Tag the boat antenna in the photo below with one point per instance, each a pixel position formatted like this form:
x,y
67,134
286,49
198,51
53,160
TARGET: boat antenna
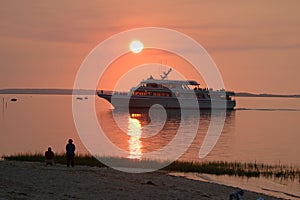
x,y
163,77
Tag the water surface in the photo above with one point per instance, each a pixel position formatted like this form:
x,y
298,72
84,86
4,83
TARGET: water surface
x,y
261,129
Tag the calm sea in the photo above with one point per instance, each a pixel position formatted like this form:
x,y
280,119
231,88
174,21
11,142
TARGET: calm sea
x,y
260,129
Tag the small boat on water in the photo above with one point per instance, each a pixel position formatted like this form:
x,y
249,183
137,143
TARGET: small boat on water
x,y
171,94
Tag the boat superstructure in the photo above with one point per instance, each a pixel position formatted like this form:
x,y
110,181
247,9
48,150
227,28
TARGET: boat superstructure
x,y
171,94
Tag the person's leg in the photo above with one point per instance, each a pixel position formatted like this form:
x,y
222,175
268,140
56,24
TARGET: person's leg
x,y
72,161
68,160
49,162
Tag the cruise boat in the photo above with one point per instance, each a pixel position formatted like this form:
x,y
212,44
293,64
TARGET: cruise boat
x,y
171,94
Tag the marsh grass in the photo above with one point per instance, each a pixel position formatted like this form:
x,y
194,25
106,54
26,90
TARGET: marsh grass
x,y
215,167
237,169
59,158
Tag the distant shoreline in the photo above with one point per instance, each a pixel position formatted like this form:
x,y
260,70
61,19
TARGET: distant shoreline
x,y
246,94
47,91
92,92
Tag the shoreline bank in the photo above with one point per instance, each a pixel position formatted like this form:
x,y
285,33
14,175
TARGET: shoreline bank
x,y
34,180
285,189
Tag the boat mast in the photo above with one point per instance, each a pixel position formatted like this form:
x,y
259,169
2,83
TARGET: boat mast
x,y
163,77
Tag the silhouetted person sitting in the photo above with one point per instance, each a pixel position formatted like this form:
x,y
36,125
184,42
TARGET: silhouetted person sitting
x,y
49,155
70,148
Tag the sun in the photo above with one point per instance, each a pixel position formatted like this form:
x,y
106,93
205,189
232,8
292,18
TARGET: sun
x,y
136,46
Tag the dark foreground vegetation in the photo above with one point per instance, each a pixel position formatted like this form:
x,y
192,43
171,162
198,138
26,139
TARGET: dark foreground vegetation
x,y
216,167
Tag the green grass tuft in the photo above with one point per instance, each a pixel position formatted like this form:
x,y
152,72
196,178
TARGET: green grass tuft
x,y
216,167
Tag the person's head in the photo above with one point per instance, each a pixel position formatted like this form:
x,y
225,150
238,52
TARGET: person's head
x,y
70,141
49,148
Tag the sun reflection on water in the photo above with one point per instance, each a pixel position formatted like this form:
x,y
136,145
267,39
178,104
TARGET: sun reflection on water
x,y
135,133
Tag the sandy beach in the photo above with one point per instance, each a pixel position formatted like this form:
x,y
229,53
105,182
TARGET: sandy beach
x,y
28,180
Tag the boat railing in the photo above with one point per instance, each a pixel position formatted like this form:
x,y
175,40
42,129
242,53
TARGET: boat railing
x,y
229,95
110,92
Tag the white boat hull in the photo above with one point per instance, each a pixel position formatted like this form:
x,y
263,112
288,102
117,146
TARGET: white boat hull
x,y
121,101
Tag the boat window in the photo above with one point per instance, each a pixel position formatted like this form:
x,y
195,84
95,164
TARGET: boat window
x,y
153,85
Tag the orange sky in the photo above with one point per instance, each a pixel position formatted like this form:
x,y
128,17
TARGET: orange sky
x,y
255,44
129,69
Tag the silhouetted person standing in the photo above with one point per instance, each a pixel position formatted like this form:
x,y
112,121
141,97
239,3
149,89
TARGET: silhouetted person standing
x,y
49,156
70,148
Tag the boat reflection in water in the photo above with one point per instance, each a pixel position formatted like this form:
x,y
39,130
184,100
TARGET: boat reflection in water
x,y
149,130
